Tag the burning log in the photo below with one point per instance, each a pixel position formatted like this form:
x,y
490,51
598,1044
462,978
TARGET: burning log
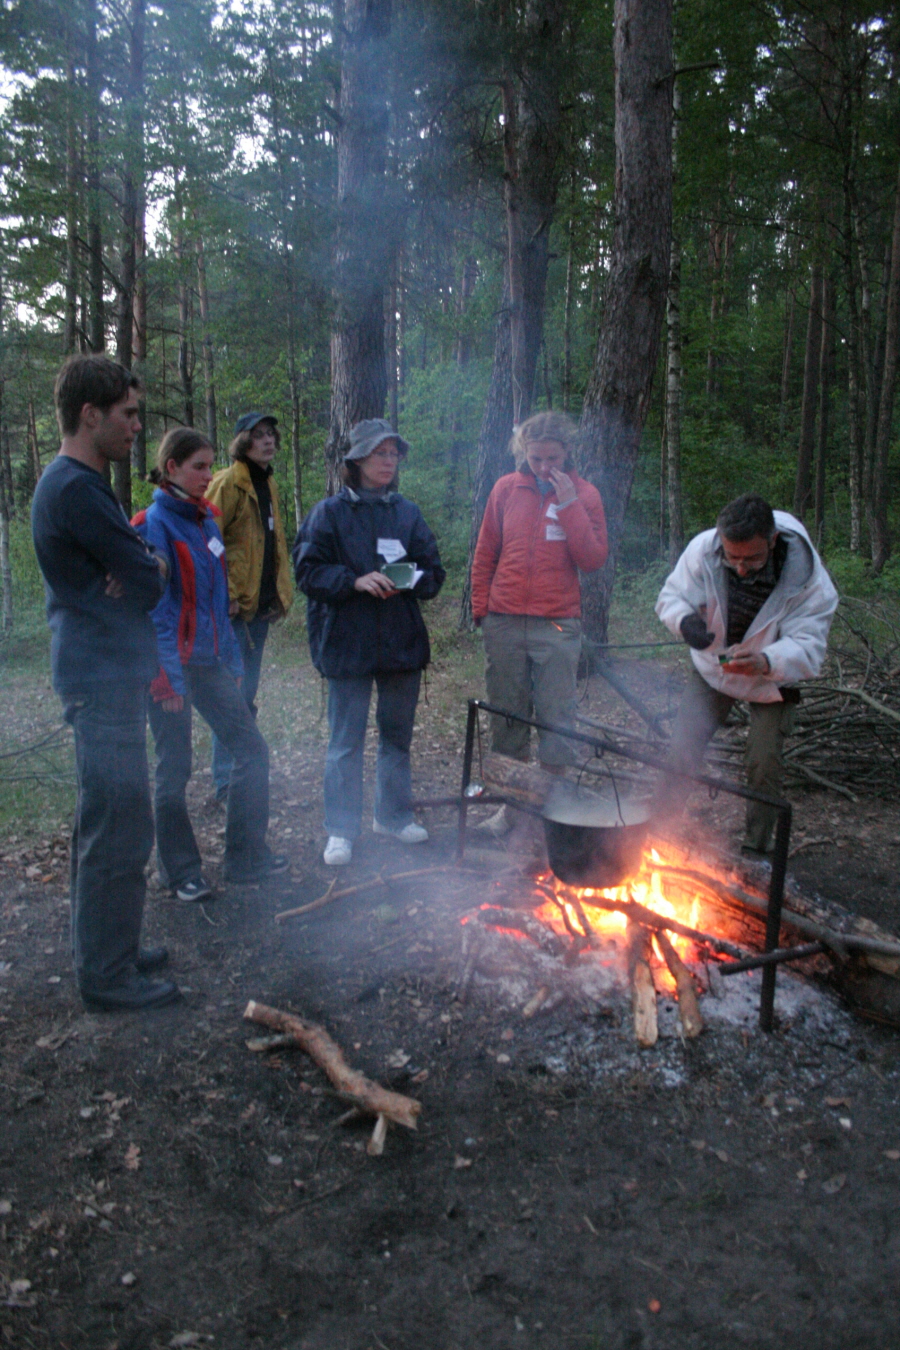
x,y
367,1096
643,994
498,917
688,1007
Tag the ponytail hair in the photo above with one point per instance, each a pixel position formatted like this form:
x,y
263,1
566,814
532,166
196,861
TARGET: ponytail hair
x,y
178,444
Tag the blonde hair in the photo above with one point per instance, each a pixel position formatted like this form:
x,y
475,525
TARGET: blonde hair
x,y
545,426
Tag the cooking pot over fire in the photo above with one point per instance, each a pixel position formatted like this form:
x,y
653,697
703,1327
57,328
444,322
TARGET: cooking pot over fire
x,y
594,839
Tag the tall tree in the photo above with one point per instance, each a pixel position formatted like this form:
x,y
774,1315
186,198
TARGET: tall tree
x,y
366,227
618,394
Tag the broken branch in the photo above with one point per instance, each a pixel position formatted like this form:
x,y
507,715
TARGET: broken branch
x,y
350,1083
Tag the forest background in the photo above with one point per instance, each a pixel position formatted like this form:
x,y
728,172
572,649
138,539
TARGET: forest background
x,y
178,189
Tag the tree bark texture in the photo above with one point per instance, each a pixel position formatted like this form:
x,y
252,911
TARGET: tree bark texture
x,y
812,356
854,380
97,333
209,363
70,328
826,378
493,458
532,160
366,229
672,420
881,537
139,335
618,393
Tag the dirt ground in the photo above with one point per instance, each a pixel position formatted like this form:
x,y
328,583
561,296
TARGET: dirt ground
x,y
162,1185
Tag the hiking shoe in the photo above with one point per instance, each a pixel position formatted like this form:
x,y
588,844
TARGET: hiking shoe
x,y
338,851
149,959
410,834
193,890
499,824
273,865
134,993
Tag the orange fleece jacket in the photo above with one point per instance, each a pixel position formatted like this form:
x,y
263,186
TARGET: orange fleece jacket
x,y
530,548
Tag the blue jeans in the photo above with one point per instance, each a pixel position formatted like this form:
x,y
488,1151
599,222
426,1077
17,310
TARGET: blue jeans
x,y
251,640
215,694
113,832
348,713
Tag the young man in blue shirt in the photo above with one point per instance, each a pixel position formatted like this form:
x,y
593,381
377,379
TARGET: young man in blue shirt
x,y
102,581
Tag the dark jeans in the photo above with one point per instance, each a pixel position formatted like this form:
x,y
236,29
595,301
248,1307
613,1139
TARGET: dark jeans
x,y
113,832
704,709
251,640
217,698
348,713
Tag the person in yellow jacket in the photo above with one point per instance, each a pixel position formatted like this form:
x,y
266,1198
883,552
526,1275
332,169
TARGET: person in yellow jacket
x,y
260,584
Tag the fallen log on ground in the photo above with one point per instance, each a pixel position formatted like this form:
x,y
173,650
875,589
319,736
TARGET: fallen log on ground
x,y
350,1083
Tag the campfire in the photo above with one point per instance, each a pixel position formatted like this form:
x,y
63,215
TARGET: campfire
x,y
661,933
680,919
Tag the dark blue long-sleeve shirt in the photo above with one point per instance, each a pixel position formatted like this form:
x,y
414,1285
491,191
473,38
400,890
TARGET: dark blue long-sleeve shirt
x,y
82,536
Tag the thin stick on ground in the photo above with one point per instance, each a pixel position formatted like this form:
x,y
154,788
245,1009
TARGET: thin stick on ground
x,y
332,894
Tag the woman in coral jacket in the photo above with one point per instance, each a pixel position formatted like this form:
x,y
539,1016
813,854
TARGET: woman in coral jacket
x,y
542,524
200,665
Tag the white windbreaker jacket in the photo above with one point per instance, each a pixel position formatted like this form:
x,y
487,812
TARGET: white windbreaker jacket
x,y
791,628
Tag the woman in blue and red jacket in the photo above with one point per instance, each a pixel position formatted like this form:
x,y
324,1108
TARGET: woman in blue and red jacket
x,y
200,665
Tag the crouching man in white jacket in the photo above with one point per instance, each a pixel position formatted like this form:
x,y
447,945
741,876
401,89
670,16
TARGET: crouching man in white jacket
x,y
753,601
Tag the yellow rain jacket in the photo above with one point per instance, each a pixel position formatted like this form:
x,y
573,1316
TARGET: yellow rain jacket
x,y
232,492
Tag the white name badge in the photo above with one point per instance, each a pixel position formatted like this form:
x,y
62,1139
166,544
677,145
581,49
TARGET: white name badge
x,y
391,550
216,547
555,532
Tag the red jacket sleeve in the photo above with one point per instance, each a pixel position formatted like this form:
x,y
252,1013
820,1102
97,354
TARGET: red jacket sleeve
x,y
487,552
584,522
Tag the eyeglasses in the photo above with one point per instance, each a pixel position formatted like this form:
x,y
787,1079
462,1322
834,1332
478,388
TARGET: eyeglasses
x,y
393,455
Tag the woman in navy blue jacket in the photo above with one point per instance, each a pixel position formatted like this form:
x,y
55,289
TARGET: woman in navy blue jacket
x,y
200,665
362,627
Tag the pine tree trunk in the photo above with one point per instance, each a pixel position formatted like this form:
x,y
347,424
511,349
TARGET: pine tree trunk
x,y
185,331
673,406
139,336
786,361
532,133
826,378
97,333
6,590
70,331
366,229
881,537
854,390
34,447
567,323
618,394
493,458
803,482
672,414
209,365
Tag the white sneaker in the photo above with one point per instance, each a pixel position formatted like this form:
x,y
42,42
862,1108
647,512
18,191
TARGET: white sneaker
x,y
410,834
338,851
